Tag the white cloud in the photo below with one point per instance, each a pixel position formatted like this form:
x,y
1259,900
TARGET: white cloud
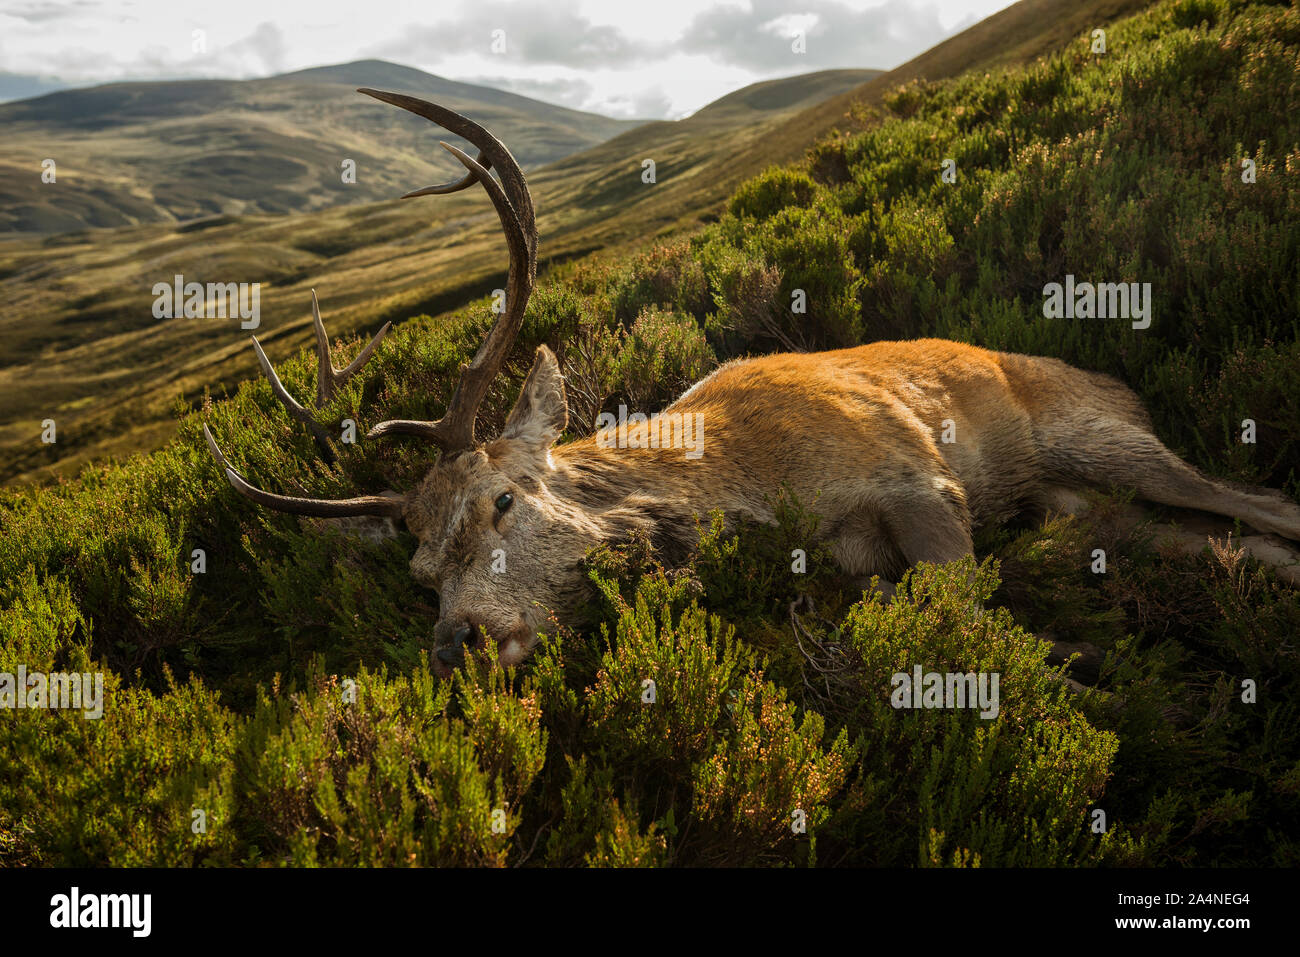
x,y
667,56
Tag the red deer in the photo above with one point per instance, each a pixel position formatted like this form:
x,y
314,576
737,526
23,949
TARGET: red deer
x,y
504,525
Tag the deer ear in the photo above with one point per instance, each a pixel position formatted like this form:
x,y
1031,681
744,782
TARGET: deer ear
x,y
542,411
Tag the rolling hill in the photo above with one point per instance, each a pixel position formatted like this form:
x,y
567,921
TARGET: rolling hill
x,y
80,321
132,153
78,317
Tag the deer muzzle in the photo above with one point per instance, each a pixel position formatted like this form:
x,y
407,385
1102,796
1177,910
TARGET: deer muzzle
x,y
451,640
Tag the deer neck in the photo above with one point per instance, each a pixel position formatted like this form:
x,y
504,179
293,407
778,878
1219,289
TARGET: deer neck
x,y
628,491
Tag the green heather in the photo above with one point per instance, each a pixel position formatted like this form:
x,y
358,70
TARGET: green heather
x,y
227,691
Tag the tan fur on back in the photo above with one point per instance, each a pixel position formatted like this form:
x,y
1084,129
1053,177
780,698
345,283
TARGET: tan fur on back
x,y
858,435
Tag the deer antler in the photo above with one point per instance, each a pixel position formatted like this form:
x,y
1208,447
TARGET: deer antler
x,y
323,507
328,382
514,206
455,430
328,379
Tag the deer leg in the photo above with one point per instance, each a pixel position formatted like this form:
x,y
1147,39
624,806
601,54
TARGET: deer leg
x,y
1103,451
931,524
863,549
922,526
934,525
1060,500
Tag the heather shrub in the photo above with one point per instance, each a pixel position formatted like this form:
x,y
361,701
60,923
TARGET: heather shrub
x,y
667,277
765,195
380,772
773,565
1009,790
683,716
791,284
658,358
120,789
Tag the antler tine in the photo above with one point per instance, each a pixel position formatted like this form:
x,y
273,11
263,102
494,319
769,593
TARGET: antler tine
x,y
329,381
291,404
324,508
329,378
489,147
466,181
514,206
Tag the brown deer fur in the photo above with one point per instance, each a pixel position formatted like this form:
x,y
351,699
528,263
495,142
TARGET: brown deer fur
x,y
855,434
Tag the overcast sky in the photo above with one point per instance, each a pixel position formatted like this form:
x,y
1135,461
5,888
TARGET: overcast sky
x,y
642,58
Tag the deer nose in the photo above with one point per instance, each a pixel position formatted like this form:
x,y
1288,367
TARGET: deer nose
x,y
453,652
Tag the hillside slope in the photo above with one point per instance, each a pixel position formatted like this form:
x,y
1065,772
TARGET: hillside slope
x,y
79,317
81,305
1019,34
176,150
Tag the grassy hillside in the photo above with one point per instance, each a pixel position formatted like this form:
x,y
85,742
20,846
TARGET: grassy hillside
x,y
183,149
79,319
1017,35
227,687
78,301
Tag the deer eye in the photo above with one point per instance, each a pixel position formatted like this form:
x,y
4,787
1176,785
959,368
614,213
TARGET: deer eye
x,y
504,501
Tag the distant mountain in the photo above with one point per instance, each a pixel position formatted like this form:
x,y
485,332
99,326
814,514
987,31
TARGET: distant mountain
x,y
78,305
77,315
18,86
129,153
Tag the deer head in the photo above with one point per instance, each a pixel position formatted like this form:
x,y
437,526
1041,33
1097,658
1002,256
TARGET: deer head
x,y
490,530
